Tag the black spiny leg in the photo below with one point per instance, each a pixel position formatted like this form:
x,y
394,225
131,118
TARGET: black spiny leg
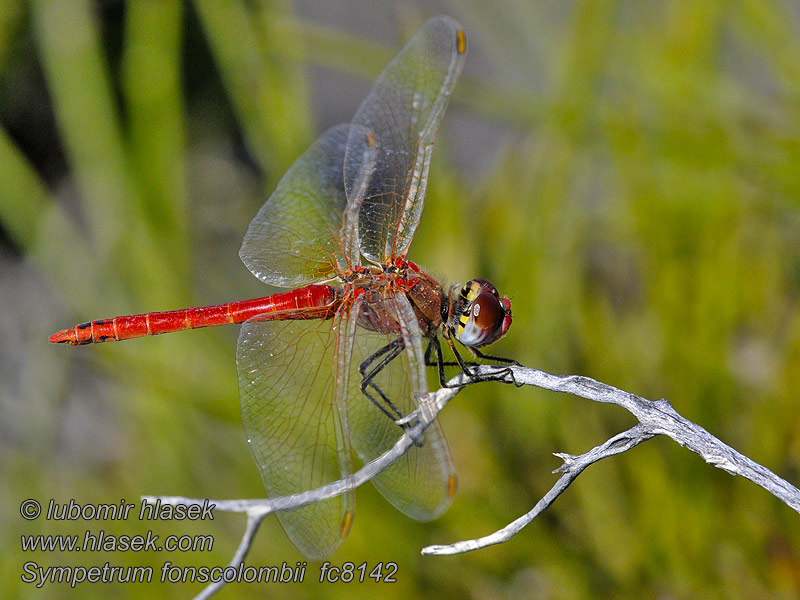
x,y
500,359
435,345
369,371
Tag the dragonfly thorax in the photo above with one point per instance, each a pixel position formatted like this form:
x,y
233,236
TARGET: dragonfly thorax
x,y
478,315
376,288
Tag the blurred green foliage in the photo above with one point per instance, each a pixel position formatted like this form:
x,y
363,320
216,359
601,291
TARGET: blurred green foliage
x,y
642,211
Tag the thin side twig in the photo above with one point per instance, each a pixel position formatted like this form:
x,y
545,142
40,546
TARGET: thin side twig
x,y
572,467
655,418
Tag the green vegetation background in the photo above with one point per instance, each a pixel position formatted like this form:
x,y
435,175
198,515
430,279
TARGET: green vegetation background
x,y
642,209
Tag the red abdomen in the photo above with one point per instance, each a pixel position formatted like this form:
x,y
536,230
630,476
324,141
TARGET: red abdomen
x,y
310,302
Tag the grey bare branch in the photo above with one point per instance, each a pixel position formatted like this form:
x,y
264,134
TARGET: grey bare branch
x,y
654,418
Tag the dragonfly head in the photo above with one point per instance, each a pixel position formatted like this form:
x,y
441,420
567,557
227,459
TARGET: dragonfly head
x,y
478,315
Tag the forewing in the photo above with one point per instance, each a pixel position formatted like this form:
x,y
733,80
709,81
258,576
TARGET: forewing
x,y
294,238
403,111
288,388
361,153
421,483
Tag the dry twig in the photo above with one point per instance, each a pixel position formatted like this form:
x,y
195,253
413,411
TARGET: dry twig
x,y
654,418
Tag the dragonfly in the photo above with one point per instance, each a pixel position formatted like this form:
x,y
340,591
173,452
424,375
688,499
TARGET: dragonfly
x,y
327,369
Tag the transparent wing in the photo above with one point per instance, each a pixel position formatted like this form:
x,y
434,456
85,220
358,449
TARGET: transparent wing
x,y
289,395
293,239
422,483
403,111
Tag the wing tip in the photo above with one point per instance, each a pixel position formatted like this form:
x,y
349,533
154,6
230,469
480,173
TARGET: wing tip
x,y
347,524
461,41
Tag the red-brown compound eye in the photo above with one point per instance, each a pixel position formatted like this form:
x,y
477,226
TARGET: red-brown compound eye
x,y
485,317
486,311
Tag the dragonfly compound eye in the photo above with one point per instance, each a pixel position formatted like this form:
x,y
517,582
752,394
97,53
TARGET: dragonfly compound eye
x,y
486,317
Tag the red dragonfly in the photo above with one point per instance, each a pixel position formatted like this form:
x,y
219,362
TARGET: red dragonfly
x,y
337,229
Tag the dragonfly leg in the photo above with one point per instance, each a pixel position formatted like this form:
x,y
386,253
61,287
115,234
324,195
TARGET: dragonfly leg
x,y
500,375
435,345
369,371
500,359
